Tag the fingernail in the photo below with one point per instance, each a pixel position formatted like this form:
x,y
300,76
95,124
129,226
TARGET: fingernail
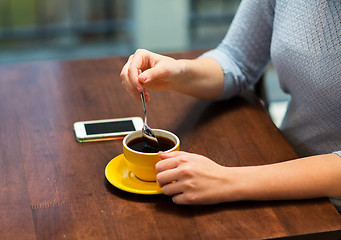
x,y
139,89
144,78
162,153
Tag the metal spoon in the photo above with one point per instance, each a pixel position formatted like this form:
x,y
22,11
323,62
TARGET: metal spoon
x,y
146,130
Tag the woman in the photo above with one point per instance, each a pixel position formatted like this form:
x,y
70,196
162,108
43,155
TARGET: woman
x,y
303,41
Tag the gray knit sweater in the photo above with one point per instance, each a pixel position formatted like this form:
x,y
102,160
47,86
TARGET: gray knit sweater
x,y
303,40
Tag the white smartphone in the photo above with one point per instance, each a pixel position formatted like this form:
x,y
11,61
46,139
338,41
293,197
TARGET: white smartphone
x,y
106,129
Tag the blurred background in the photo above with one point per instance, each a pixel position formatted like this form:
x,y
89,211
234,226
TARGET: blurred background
x,y
36,30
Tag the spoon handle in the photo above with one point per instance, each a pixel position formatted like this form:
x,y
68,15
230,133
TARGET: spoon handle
x,y
144,106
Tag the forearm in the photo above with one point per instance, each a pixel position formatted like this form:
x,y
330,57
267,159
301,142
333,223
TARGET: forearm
x,y
201,78
310,177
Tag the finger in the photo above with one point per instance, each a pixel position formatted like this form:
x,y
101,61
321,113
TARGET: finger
x,y
132,75
131,90
124,72
164,155
125,67
147,96
172,188
134,69
142,78
181,199
126,81
152,73
166,164
168,160
167,177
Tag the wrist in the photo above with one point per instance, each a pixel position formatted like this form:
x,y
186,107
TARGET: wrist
x,y
181,75
240,184
230,184
201,78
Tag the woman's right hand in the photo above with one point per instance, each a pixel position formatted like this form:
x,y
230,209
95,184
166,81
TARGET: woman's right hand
x,y
148,70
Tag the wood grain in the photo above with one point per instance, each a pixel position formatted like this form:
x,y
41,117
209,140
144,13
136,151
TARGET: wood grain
x,y
52,187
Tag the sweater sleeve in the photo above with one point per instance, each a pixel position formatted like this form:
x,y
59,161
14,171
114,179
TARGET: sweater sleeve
x,y
338,153
245,51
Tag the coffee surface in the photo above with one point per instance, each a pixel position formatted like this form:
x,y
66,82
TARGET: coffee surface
x,y
142,144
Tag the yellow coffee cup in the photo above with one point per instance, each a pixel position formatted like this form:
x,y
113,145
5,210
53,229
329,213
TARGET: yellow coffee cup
x,y
142,164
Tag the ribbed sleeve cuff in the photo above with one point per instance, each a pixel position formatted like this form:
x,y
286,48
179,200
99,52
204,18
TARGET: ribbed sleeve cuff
x,y
232,74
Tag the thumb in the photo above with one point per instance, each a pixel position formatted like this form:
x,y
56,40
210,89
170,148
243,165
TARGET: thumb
x,y
151,74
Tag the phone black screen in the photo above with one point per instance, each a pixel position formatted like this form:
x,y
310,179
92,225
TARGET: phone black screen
x,y
109,127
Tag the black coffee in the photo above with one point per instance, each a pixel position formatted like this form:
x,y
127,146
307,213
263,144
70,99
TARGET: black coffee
x,y
142,144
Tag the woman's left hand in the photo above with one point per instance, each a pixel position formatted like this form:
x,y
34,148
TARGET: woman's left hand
x,y
192,178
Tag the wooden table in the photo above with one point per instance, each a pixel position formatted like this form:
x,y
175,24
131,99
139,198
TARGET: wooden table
x,y
52,187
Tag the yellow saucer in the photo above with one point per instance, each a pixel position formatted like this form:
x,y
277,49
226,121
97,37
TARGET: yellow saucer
x,y
121,177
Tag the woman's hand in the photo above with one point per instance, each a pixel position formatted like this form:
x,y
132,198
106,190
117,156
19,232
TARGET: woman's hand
x,y
195,179
192,178
145,69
